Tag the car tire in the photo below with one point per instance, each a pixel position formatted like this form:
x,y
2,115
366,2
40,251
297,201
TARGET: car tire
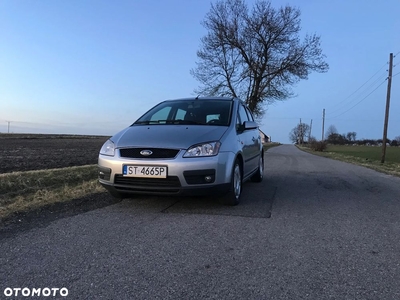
x,y
232,197
258,176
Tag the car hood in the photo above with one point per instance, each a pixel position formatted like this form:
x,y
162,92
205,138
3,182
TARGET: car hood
x,y
167,136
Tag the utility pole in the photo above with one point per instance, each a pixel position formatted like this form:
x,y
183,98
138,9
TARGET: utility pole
x,y
323,124
8,126
385,126
310,131
301,133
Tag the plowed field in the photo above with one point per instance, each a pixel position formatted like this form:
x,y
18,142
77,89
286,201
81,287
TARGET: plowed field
x,y
23,152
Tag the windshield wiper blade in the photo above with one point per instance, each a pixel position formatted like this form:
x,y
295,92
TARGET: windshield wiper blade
x,y
181,122
187,122
147,122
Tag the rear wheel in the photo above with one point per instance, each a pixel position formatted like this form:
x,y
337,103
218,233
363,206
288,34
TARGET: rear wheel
x,y
233,196
258,176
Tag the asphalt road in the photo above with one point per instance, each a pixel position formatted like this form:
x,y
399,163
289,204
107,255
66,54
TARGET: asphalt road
x,y
315,228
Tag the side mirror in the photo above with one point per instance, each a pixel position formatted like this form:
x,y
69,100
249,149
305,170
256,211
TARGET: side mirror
x,y
250,125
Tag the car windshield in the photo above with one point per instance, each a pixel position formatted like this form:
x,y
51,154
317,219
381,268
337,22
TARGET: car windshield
x,y
193,112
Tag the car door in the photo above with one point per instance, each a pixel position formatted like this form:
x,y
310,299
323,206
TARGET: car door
x,y
256,141
246,142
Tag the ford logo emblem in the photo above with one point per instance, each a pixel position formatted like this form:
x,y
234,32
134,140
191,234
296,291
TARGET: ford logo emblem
x,y
146,152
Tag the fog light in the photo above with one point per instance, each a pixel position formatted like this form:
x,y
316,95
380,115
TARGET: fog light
x,y
208,178
104,173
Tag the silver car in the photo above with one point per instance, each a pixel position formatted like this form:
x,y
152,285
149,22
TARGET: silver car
x,y
192,146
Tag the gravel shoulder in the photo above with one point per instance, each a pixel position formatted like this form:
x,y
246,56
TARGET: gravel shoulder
x,y
45,215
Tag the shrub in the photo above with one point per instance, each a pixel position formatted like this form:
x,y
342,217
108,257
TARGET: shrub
x,y
318,146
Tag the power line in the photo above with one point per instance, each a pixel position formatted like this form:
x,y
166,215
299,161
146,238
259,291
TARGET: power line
x,y
282,118
361,85
360,100
354,99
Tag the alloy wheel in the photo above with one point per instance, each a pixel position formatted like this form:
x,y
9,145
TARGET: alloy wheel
x,y
237,181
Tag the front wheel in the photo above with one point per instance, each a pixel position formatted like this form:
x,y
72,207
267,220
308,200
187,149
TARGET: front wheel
x,y
233,196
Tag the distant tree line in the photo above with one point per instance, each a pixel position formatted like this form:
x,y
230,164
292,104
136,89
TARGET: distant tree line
x,y
340,139
350,138
301,135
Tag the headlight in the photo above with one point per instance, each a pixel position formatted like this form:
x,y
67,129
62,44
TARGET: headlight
x,y
108,148
206,149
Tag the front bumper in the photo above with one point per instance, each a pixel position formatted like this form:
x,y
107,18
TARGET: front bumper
x,y
186,176
190,191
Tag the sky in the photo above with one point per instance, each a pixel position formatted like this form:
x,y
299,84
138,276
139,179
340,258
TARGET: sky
x,y
94,67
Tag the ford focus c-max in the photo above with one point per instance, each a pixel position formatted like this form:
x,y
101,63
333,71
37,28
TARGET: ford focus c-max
x,y
192,146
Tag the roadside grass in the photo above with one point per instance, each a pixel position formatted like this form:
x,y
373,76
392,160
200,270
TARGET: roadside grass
x,y
366,156
22,191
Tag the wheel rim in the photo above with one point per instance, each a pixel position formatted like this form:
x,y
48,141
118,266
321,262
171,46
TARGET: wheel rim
x,y
237,181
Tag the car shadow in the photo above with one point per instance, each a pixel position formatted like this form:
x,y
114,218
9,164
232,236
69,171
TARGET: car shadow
x,y
256,202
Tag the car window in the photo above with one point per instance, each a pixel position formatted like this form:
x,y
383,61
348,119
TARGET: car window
x,y
190,112
180,114
249,114
242,117
243,114
238,124
162,114
210,118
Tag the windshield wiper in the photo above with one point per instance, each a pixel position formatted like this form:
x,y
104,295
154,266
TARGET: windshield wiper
x,y
186,122
180,122
147,122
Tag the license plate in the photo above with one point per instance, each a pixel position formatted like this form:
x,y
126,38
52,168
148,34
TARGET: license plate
x,y
144,171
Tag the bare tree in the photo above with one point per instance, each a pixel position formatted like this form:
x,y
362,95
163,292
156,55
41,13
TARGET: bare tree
x,y
331,130
300,133
255,55
351,136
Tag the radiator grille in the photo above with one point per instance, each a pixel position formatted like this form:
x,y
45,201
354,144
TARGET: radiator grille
x,y
157,153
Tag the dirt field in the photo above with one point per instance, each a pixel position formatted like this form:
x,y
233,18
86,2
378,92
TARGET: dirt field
x,y
23,152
